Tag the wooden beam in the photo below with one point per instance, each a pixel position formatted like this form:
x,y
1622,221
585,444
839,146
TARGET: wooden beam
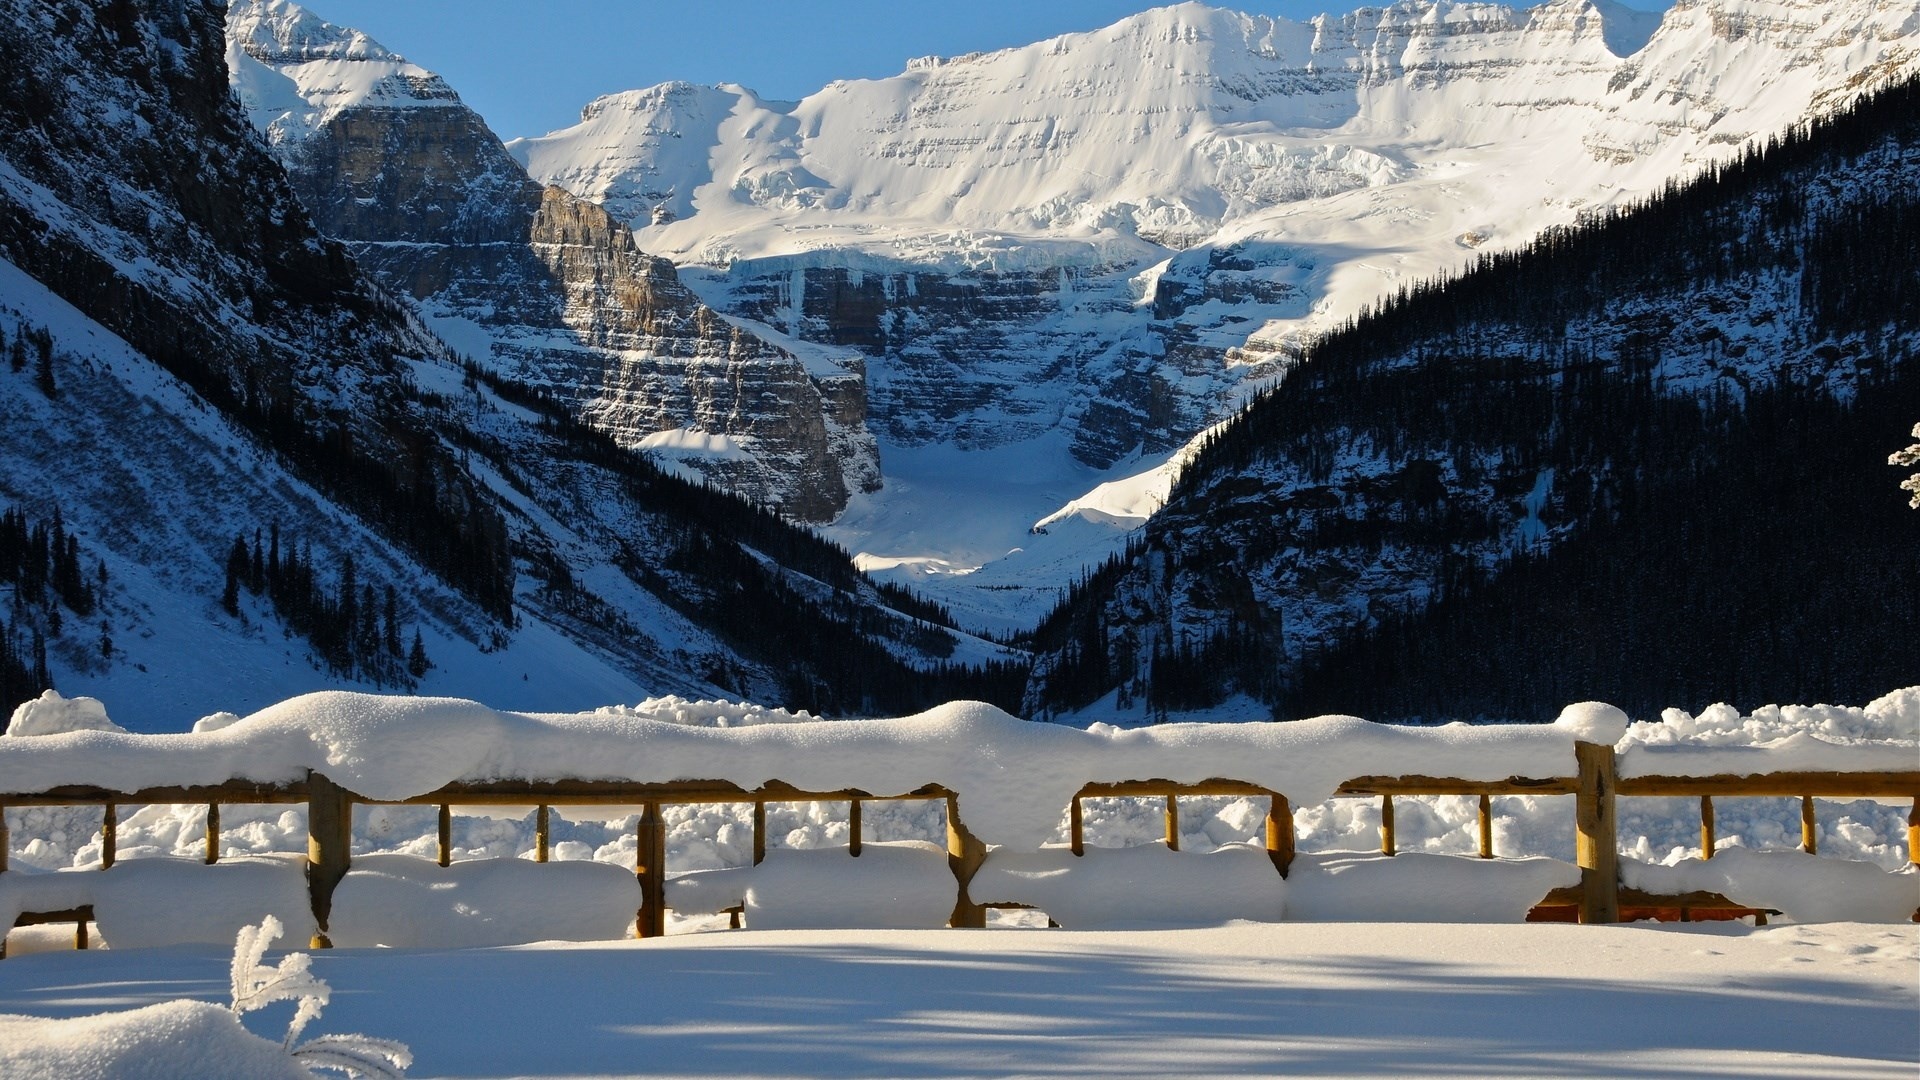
x,y
1076,827
213,833
329,848
634,793
1448,785
1597,844
444,839
233,791
1173,822
650,856
965,854
1892,784
109,836
1150,788
1638,898
853,827
1809,827
1280,838
759,831
542,832
1388,842
1706,827
1486,825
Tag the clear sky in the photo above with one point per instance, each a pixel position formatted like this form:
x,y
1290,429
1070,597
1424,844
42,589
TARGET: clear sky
x,y
528,66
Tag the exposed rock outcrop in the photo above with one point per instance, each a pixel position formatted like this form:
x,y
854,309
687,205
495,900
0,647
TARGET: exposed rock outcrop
x,y
546,286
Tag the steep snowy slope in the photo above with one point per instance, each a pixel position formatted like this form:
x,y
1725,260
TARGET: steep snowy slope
x,y
156,485
1098,244
196,375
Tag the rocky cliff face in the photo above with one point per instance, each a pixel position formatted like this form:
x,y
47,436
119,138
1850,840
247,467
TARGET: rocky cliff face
x,y
542,285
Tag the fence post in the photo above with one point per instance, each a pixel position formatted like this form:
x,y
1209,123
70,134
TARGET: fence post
x,y
1486,826
759,831
1388,842
109,836
1597,842
6,842
444,841
1173,823
329,848
1913,835
1280,833
213,833
1076,828
651,854
853,828
1809,827
1706,827
542,832
965,853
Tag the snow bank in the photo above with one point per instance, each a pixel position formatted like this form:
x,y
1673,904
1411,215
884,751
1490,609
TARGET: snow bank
x,y
1149,884
1806,888
1777,738
51,714
402,901
1014,777
708,892
897,886
1417,887
1593,722
142,903
175,1040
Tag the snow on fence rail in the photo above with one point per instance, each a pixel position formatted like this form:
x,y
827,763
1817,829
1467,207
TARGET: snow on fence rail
x,y
1005,782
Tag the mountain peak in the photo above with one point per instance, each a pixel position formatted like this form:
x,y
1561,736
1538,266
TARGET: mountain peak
x,y
286,32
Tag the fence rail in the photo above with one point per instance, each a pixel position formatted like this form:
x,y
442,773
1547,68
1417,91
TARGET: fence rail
x,y
1595,787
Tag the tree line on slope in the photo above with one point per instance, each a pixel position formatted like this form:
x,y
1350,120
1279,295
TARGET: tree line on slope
x,y
778,593
43,571
1776,564
354,628
1481,375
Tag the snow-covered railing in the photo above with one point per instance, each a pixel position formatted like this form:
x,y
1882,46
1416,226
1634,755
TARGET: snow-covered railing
x,y
1004,782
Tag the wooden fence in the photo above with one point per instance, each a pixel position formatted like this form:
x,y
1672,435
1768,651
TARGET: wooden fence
x,y
1599,898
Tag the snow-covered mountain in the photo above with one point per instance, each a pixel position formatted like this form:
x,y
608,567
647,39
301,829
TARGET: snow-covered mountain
x,y
264,473
539,284
1062,261
1643,459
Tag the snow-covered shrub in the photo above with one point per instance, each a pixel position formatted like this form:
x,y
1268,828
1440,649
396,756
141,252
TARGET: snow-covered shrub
x,y
255,986
190,1040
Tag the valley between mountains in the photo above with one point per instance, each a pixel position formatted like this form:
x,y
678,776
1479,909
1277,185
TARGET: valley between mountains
x,y
1195,363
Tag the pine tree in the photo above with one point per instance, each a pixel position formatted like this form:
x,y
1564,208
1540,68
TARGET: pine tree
x,y
417,662
391,636
237,561
43,364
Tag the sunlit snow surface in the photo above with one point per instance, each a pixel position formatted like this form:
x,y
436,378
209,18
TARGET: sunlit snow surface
x,y
1364,1000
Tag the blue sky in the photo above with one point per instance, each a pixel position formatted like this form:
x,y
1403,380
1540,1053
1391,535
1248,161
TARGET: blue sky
x,y
528,65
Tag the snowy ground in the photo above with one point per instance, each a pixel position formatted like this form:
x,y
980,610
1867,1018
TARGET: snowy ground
x,y
1244,1000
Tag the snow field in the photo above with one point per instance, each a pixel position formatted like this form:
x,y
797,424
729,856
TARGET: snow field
x,y
1246,1000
